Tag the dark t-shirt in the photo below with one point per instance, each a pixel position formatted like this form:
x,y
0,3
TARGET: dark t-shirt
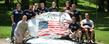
x,y
17,15
53,9
43,10
36,11
29,14
74,26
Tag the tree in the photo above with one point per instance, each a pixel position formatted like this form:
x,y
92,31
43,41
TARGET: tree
x,y
8,4
108,5
101,5
74,2
25,4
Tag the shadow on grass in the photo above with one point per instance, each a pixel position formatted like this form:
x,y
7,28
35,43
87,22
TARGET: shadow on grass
x,y
107,29
103,28
87,8
103,21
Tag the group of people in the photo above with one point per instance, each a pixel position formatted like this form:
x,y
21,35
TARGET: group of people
x,y
20,18
85,26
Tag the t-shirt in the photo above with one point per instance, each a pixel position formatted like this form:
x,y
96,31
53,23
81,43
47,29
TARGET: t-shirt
x,y
29,14
74,26
36,11
17,15
87,22
43,10
53,9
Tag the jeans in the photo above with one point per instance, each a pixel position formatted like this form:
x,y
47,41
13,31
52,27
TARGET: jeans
x,y
12,32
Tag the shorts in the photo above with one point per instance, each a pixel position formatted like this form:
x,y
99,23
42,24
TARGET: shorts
x,y
74,30
83,30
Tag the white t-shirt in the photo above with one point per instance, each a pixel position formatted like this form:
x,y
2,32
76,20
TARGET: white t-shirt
x,y
87,23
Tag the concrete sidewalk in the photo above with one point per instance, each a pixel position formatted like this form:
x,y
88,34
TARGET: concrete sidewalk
x,y
4,41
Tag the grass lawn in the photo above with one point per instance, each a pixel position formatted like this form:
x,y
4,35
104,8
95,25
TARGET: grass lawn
x,y
5,31
101,36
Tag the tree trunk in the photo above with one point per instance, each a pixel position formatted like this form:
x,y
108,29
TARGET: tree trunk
x,y
8,4
101,5
108,5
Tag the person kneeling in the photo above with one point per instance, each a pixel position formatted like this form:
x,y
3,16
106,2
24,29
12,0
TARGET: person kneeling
x,y
74,30
20,30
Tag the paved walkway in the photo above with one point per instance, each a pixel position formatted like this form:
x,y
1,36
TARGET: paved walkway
x,y
4,41
7,41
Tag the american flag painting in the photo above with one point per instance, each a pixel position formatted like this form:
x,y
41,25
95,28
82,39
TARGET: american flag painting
x,y
53,23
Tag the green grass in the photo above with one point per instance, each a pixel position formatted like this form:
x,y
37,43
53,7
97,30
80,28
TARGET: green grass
x,y
102,36
5,31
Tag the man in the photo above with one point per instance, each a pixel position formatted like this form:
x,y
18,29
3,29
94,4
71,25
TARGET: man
x,y
75,13
35,8
20,30
74,29
30,12
42,8
53,8
16,17
67,6
88,26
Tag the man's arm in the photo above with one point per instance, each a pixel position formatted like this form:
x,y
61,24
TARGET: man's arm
x,y
12,19
70,31
80,17
82,24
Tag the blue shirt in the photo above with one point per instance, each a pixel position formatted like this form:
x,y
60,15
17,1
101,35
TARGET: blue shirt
x,y
17,15
29,14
